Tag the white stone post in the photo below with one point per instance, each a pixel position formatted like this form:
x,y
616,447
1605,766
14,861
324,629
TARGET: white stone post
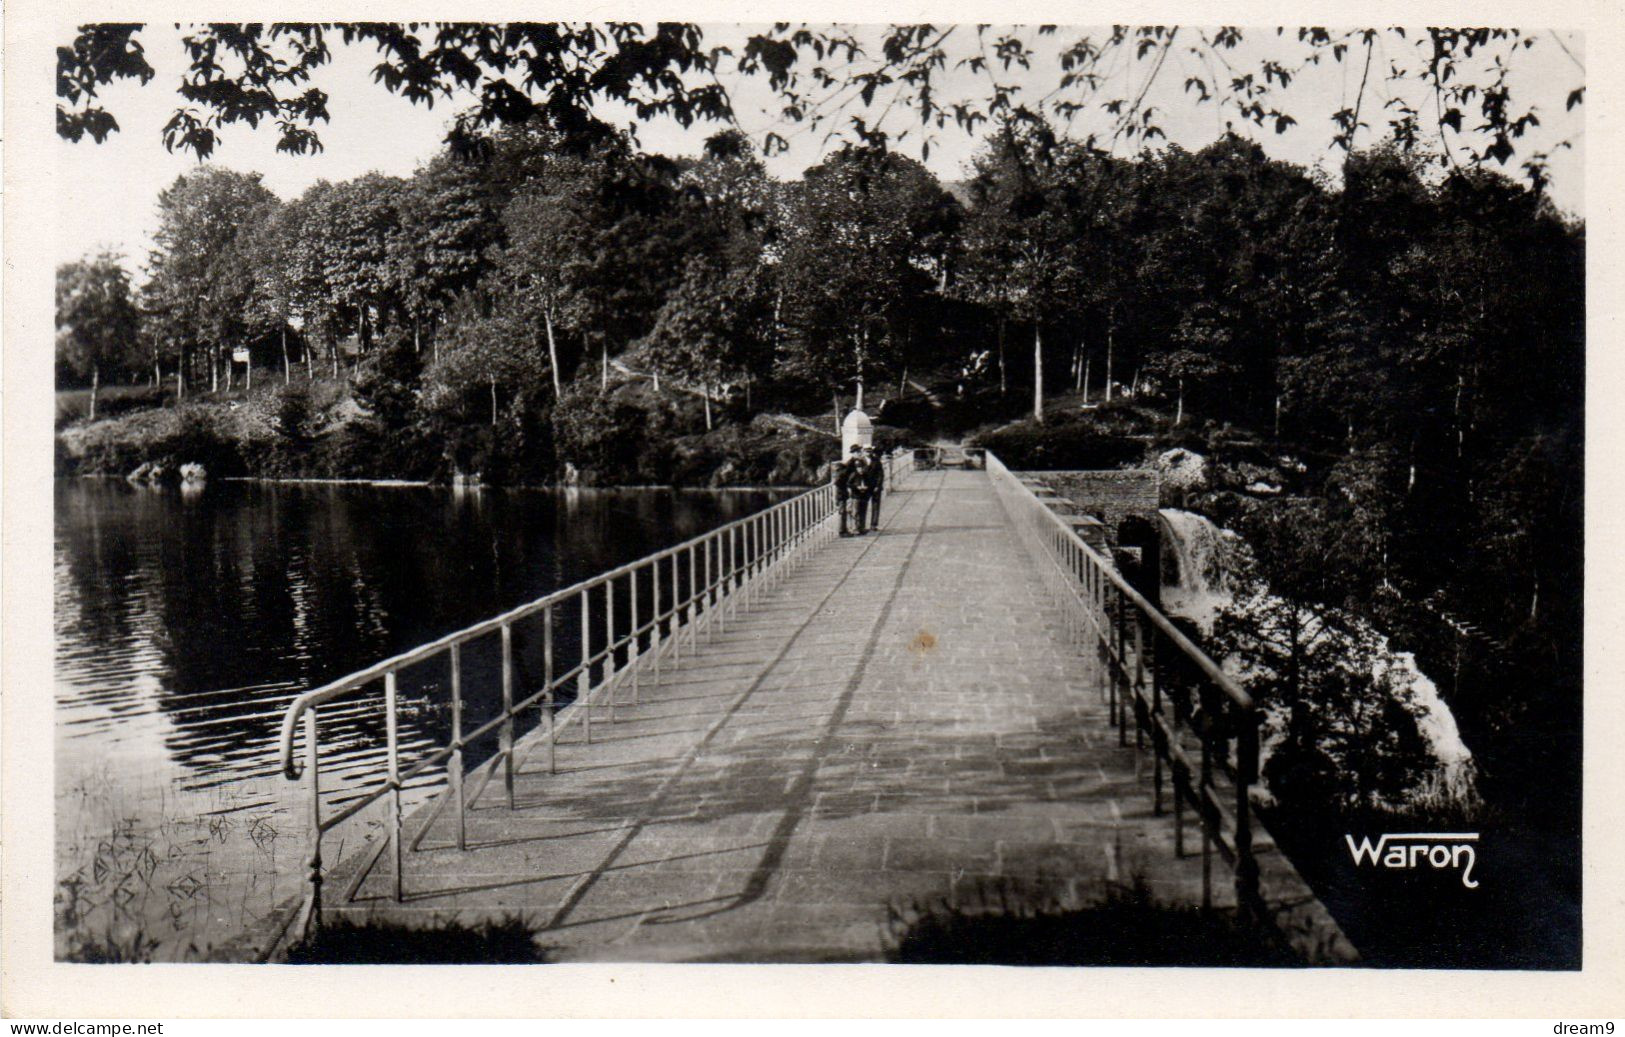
x,y
857,428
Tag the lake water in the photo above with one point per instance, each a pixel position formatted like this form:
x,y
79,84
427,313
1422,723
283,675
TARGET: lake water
x,y
186,621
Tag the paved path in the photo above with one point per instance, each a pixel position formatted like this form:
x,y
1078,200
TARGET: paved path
x,y
898,722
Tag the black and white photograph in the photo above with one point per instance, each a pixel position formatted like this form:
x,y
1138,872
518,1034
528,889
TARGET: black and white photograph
x,y
1066,495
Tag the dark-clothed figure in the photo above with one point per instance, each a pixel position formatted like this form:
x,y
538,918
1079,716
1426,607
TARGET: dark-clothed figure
x,y
862,481
847,478
874,486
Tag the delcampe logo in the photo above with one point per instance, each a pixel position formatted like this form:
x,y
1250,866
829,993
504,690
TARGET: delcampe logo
x,y
1414,849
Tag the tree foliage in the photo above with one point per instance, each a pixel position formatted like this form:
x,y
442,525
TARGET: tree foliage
x,y
1453,85
95,320
201,281
866,235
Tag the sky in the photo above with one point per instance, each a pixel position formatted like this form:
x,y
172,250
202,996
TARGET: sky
x,y
106,193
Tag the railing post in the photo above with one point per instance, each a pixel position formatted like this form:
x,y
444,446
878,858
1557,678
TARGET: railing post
x,y
547,689
1209,726
392,735
1158,743
792,527
584,678
710,602
1097,603
1246,774
714,579
693,599
1111,672
313,908
1139,682
637,635
733,570
1120,675
507,711
609,645
656,636
676,610
457,744
1179,814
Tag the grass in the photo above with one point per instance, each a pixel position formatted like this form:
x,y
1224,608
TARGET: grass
x,y
148,874
510,941
1123,925
111,400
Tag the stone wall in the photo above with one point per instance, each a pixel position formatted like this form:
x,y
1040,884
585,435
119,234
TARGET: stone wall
x,y
1117,497
1110,496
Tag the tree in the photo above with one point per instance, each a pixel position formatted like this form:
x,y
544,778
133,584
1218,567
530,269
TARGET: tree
x,y
713,329
293,271
196,275
354,243
596,238
482,352
1024,255
95,318
271,301
243,312
449,220
865,237
1341,728
1183,364
544,272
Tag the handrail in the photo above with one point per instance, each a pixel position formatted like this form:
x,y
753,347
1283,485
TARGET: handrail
x,y
1209,668
1128,633
412,656
733,560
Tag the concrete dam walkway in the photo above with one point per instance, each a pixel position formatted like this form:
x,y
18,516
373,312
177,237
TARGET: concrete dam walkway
x,y
902,720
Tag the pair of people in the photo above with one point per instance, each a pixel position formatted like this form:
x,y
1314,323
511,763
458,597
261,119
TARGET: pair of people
x,y
860,479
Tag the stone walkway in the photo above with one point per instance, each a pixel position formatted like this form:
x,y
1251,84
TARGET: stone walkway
x,y
899,722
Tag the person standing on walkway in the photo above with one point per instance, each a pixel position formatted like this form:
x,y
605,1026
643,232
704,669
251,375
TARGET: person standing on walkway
x,y
862,480
874,485
846,478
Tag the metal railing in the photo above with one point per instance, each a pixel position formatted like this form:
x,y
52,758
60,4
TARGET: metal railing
x,y
669,597
900,464
1178,696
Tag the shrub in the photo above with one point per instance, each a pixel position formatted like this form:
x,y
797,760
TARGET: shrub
x,y
342,942
1069,442
293,412
197,437
619,436
1125,926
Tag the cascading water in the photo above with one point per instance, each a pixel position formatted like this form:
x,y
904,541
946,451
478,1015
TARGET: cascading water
x,y
1194,570
1198,559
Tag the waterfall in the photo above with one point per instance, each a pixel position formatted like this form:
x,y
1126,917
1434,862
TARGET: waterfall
x,y
1457,776
1197,560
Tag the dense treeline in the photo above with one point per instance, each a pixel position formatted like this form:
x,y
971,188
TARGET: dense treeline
x,y
552,303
